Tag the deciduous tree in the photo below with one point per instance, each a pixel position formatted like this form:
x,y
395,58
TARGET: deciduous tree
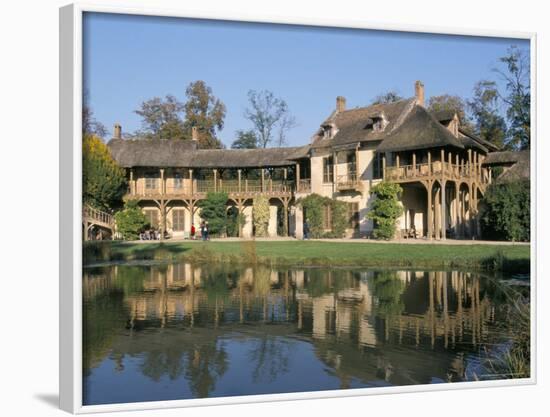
x,y
270,117
489,124
390,96
246,139
103,181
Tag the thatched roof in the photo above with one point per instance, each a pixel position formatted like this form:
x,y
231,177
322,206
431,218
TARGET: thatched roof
x,y
353,125
506,158
486,144
184,153
419,130
521,170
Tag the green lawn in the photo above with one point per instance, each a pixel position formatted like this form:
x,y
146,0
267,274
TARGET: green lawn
x,y
495,257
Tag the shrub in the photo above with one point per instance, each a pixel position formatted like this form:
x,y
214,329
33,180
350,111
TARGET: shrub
x,y
314,205
131,221
260,212
385,209
213,211
505,211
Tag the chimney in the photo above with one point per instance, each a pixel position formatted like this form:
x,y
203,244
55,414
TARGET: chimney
x,y
419,93
340,103
117,131
194,133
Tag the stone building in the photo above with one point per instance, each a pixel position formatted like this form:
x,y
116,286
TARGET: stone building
x,y
443,170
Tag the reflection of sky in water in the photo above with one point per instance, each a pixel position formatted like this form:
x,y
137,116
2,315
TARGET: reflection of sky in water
x,y
177,331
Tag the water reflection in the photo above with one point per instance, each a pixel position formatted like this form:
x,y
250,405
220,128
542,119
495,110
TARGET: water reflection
x,y
185,331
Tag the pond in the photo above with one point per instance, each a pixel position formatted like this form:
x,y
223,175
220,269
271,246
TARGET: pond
x,y
157,332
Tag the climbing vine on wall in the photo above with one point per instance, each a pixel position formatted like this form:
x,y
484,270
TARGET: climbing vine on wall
x,y
316,207
385,209
260,212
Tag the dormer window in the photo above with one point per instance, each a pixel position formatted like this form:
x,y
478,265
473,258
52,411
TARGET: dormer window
x,y
328,131
377,122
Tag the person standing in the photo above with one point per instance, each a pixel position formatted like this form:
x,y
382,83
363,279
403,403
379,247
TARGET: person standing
x,y
193,231
306,230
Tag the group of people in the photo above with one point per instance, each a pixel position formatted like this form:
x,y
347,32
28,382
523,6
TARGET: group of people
x,y
150,234
203,229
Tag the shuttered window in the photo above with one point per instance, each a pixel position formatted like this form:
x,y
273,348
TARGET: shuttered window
x,y
178,218
328,169
152,218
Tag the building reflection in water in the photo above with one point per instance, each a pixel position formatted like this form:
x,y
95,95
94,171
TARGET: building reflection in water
x,y
362,324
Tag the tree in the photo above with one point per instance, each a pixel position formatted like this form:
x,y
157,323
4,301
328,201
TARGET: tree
x,y
162,118
518,96
447,102
204,111
90,126
213,211
388,97
131,221
103,181
270,117
260,211
489,124
246,139
385,209
506,209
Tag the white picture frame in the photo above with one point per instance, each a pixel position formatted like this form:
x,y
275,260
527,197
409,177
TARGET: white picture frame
x,y
70,285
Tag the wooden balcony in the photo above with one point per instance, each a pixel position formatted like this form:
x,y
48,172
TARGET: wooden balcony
x,y
347,182
198,189
437,170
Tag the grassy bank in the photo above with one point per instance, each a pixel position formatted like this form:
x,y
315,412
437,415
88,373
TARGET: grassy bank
x,y
315,253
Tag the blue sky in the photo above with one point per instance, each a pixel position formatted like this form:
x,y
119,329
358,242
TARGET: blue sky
x,y
129,59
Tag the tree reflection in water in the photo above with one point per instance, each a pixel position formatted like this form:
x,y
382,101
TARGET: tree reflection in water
x,y
191,327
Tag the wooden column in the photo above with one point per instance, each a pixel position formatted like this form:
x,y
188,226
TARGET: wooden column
x,y
437,213
334,170
215,179
397,160
191,181
162,184
285,174
457,205
384,166
442,161
132,185
469,163
429,210
297,177
443,212
429,163
285,217
414,163
239,175
263,179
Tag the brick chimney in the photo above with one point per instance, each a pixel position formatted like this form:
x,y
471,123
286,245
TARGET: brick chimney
x,y
419,93
117,131
194,133
340,103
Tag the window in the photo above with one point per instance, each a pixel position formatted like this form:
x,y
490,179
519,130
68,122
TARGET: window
x,y
353,215
152,218
178,219
328,169
327,217
151,181
377,166
178,181
352,166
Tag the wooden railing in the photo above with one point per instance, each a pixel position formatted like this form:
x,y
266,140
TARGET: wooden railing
x,y
346,182
304,186
450,171
99,217
227,185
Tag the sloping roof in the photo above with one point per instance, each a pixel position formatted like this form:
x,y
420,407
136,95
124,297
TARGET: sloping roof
x,y
419,130
468,142
352,124
485,143
506,157
521,170
183,153
444,115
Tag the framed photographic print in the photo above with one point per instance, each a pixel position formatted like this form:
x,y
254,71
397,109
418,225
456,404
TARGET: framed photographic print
x,y
260,210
